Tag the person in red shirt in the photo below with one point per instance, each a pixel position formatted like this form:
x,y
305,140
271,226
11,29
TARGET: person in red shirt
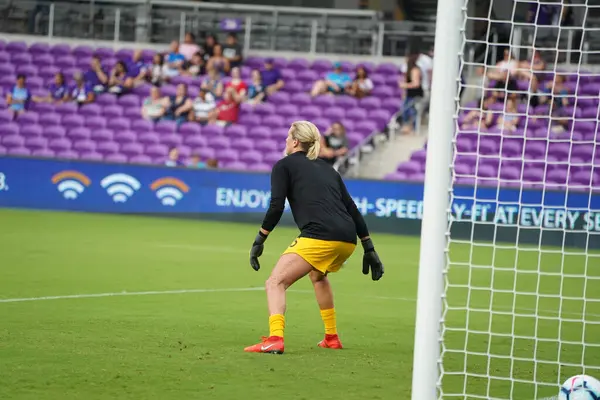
x,y
228,109
237,84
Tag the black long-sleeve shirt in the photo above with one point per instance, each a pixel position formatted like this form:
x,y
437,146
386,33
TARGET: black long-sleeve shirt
x,y
320,203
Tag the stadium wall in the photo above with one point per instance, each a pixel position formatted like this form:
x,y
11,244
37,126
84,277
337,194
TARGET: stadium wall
x,y
393,207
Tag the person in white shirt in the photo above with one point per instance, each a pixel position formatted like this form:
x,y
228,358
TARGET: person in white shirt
x,y
202,106
362,85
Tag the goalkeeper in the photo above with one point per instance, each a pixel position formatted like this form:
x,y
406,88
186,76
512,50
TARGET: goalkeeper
x,y
329,223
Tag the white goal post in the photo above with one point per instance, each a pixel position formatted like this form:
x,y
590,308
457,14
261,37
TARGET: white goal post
x,y
508,303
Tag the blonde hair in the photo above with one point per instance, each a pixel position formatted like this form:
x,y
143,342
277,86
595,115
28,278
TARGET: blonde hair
x,y
308,134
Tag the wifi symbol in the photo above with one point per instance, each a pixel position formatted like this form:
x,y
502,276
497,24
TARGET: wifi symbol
x,y
120,186
169,190
70,183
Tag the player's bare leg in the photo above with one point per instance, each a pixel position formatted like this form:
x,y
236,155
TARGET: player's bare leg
x,y
290,268
324,295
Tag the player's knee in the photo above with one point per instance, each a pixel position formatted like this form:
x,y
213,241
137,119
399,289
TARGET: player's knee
x,y
271,283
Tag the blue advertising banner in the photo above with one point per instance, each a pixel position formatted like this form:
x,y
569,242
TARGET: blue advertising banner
x,y
116,188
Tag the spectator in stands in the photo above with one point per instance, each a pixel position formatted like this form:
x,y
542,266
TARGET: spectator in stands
x,y
196,162
209,44
536,63
174,60
413,93
227,110
196,66
510,119
120,82
232,50
212,163
362,85
82,92
506,73
334,143
257,91
174,159
57,90
238,84
481,118
19,96
157,72
155,106
180,106
218,62
271,77
212,83
189,47
335,82
558,92
137,68
96,76
202,107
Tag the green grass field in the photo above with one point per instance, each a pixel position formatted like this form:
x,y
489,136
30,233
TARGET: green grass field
x,y
188,345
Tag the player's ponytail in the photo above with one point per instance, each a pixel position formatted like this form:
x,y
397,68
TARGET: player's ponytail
x,y
313,150
308,134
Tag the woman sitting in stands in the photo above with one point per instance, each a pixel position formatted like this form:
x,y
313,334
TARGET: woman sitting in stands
x,y
237,84
257,92
56,91
510,119
119,82
180,105
212,83
82,92
155,106
481,118
157,72
196,67
362,85
334,143
218,62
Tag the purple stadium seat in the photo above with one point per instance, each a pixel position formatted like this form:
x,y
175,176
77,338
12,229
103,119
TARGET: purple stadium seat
x,y
236,131
310,112
106,148
301,99
129,100
346,102
157,150
91,156
251,157
28,118
273,121
60,50
148,138
106,99
65,109
118,124
140,159
19,151
259,132
195,141
10,141
42,153
279,98
189,128
370,103
59,144
249,120
260,167
235,165
31,131
105,135
39,48
95,122
21,58
212,130
7,69
298,64
204,152
266,146
132,149
65,62
272,157
112,111
170,139
84,145
241,143
116,158
36,142
165,127
54,131
218,142
72,121
91,110
78,133
6,116
264,109
226,155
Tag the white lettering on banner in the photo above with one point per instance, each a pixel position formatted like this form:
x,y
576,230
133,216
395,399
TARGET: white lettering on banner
x,y
458,210
592,221
3,185
404,209
242,198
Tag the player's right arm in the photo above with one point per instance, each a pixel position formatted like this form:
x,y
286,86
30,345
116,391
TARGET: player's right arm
x,y
371,259
279,190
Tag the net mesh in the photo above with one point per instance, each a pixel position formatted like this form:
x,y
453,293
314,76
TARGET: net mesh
x,y
522,280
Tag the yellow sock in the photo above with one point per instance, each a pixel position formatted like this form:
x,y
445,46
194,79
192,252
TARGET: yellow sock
x,y
328,317
276,325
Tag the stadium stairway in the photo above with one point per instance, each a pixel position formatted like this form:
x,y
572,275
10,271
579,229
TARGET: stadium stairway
x,y
384,159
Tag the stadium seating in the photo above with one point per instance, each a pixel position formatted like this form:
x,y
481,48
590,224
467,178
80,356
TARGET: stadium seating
x,y
534,155
113,130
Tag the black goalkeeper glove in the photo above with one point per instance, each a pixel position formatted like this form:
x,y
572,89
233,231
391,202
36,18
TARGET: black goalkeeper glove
x,y
371,261
257,249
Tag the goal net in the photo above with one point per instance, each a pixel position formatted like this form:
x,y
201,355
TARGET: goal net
x,y
521,297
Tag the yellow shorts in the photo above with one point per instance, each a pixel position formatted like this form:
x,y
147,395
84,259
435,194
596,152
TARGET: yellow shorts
x,y
324,255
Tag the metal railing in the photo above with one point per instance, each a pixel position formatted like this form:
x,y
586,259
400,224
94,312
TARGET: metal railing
x,y
290,29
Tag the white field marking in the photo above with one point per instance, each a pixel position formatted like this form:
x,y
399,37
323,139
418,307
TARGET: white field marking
x,y
125,293
234,290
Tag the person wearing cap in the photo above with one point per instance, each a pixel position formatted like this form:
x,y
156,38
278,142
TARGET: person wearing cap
x,y
335,82
271,77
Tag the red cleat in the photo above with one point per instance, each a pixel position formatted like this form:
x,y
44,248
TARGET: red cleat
x,y
331,342
271,345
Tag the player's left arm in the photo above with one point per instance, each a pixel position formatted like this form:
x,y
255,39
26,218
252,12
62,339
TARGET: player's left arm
x,y
279,190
